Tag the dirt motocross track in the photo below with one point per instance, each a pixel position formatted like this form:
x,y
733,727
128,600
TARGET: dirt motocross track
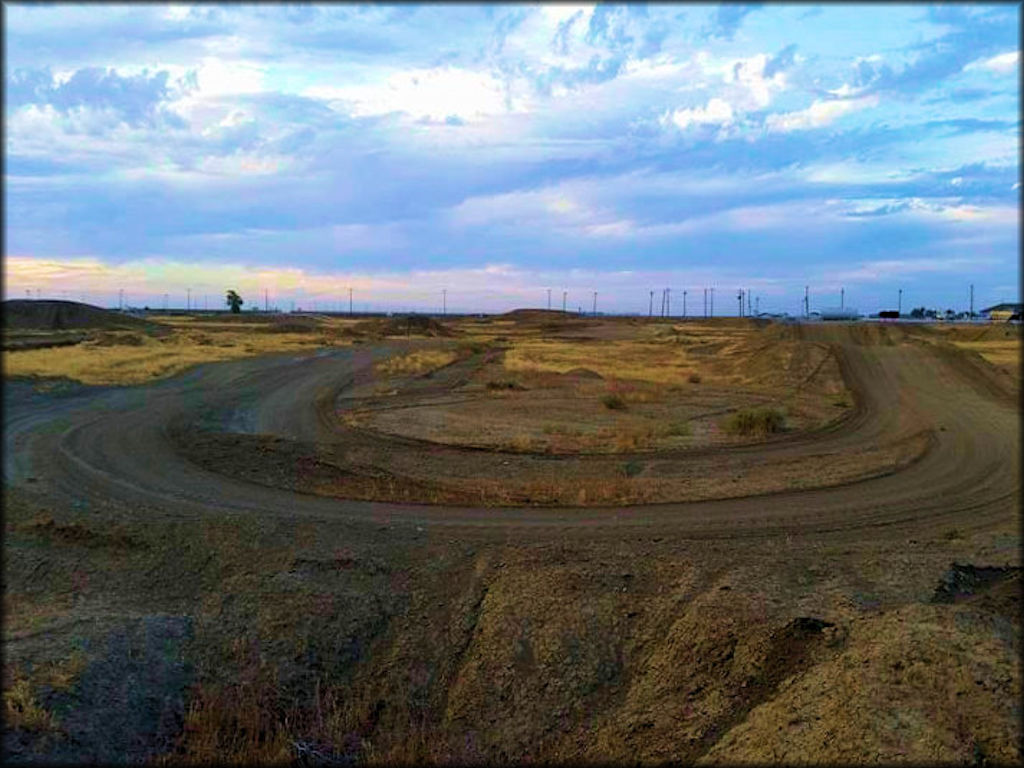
x,y
793,626
116,444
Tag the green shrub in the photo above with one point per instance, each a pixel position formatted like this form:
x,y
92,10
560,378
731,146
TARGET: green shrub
x,y
632,468
614,402
756,421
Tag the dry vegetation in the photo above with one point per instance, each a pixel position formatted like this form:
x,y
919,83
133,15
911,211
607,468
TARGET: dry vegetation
x,y
131,357
418,362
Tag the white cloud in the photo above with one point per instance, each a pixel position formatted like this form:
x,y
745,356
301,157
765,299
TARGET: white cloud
x,y
1003,64
820,113
434,94
715,112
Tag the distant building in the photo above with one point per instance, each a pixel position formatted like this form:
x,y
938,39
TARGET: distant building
x,y
1001,313
835,313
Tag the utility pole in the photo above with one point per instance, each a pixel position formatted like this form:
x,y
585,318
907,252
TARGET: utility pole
x,y
549,299
757,305
807,301
712,302
595,303
668,302
444,301
188,299
705,302
661,309
842,298
684,304
565,295
739,296
650,306
899,303
972,301
748,301
266,301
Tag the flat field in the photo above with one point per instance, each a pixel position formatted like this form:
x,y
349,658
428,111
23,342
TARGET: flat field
x,y
529,537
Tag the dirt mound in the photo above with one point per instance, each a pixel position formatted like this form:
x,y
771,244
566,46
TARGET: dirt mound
x,y
418,325
583,373
46,315
535,315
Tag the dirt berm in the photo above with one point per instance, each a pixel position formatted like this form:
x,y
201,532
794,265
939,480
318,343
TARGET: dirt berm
x,y
52,315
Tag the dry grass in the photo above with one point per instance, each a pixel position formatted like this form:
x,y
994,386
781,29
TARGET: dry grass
x,y
145,358
755,421
1001,353
643,361
22,711
416,362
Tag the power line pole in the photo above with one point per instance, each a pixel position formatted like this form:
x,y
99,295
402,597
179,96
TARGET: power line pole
x,y
444,301
565,295
807,301
972,301
739,296
595,303
668,302
705,302
712,302
757,305
899,302
842,298
748,301
549,299
650,306
684,304
188,299
266,301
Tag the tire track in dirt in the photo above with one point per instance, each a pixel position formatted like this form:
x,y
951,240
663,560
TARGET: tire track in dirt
x,y
114,445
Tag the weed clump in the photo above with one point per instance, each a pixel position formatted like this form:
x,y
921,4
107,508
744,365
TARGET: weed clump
x,y
693,378
613,402
502,384
755,421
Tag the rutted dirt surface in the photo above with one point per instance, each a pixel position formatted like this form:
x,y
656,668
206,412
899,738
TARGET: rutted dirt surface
x,y
959,420
825,625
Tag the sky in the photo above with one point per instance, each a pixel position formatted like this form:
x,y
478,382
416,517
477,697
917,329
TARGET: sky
x,y
481,155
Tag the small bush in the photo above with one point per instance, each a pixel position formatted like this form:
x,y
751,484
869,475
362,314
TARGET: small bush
x,y
693,378
632,468
499,384
614,402
755,421
678,429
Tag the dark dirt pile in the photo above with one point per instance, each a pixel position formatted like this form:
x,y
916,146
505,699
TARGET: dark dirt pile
x,y
415,325
46,315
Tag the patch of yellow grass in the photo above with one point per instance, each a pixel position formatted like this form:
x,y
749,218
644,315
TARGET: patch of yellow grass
x,y
416,362
154,358
1001,353
22,711
659,363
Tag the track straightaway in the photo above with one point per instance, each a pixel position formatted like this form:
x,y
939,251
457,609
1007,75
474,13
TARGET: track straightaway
x,y
114,445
